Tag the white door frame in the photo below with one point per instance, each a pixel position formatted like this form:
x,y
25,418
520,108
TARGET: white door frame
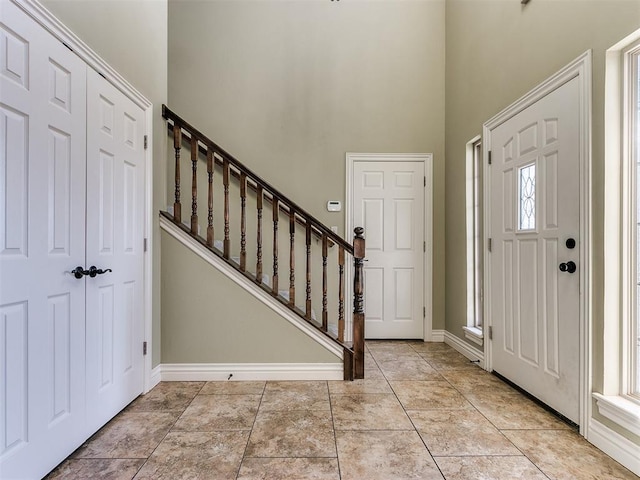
x,y
580,68
427,159
50,23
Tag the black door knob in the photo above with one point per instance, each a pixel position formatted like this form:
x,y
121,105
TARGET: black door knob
x,y
568,267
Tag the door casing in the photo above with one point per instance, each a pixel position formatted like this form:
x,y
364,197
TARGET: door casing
x,y
580,68
427,159
50,23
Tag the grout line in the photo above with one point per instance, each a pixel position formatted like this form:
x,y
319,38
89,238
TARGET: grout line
x,y
335,439
244,453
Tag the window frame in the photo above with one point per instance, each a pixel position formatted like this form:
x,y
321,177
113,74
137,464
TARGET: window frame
x,y
473,330
620,397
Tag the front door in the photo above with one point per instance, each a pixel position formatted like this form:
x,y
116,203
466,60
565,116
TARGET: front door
x,y
534,263
388,201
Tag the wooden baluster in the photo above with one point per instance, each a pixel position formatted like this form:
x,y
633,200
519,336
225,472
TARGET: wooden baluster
x,y
358,303
325,314
308,299
259,227
225,181
194,185
210,197
276,213
341,294
177,144
243,221
292,257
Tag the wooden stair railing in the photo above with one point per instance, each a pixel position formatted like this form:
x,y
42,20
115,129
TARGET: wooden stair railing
x,y
201,147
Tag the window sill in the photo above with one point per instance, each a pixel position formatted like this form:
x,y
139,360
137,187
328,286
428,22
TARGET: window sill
x,y
620,410
474,334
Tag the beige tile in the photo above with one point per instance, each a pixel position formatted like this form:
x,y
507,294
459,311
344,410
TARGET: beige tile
x,y
449,361
475,380
298,433
167,396
233,388
359,386
289,469
422,347
189,455
219,412
386,355
456,432
488,468
384,455
397,346
409,369
369,412
98,469
513,411
428,395
129,435
295,396
563,454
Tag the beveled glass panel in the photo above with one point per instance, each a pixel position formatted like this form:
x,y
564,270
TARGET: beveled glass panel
x,y
527,197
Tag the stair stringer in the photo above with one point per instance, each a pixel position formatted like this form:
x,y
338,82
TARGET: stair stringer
x,y
239,279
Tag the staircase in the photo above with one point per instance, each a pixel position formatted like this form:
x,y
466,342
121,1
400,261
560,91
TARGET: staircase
x,y
319,303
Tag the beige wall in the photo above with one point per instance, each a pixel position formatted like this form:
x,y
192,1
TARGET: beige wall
x,y
496,51
290,87
206,318
131,36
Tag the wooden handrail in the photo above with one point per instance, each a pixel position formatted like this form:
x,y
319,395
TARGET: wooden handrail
x,y
255,180
198,144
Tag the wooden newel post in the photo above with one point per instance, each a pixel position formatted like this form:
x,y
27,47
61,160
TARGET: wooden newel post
x,y
358,303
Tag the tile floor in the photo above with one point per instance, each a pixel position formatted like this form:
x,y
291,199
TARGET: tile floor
x,y
422,412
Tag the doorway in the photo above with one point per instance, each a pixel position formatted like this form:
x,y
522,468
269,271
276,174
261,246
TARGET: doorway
x,y
390,196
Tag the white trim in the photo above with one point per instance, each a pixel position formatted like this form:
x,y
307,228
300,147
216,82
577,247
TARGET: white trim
x,y
474,334
615,445
464,348
54,26
427,159
200,372
620,410
156,377
437,336
231,273
580,68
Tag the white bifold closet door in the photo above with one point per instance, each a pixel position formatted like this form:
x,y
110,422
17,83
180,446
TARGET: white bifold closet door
x,y
71,195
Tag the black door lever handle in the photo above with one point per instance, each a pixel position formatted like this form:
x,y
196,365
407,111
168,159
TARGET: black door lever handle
x,y
79,272
93,271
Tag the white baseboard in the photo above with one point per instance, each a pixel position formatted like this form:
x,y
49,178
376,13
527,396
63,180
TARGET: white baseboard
x,y
156,376
437,336
615,445
464,348
176,372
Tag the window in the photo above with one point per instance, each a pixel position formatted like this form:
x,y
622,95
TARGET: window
x,y
634,118
527,197
473,330
620,398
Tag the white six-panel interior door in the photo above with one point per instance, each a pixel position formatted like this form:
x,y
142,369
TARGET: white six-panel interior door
x,y
388,201
534,205
72,175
